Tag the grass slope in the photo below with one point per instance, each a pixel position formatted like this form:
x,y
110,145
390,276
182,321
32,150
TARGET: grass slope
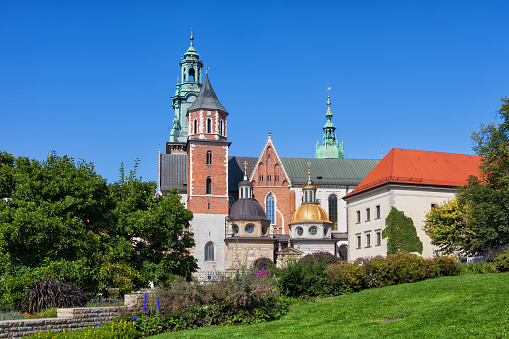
x,y
449,307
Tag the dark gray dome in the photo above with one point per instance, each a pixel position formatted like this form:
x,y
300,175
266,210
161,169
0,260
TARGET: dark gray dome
x,y
247,209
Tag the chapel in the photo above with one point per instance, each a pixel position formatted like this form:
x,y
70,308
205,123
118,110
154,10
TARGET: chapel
x,y
247,207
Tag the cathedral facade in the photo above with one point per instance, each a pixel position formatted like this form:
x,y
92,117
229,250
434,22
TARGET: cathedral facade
x,y
213,184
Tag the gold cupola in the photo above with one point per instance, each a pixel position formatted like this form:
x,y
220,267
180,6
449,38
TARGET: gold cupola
x,y
309,211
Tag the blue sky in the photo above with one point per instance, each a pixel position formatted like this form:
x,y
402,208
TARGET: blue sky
x,y
93,79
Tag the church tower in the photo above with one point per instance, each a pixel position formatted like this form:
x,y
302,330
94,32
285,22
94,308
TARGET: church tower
x,y
188,88
330,147
207,177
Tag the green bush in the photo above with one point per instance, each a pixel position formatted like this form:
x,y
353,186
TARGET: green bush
x,y
306,276
502,261
120,329
478,267
448,266
343,278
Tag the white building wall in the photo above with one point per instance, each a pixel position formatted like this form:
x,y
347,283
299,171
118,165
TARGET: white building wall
x,y
209,227
414,201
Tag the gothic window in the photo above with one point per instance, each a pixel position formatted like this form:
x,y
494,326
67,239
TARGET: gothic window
x,y
209,185
209,251
333,211
195,126
209,158
221,127
209,126
270,208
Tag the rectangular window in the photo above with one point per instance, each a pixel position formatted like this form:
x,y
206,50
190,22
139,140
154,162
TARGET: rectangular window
x,y
368,214
378,238
358,241
368,240
378,211
358,217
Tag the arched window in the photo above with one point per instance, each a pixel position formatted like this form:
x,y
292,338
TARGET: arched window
x,y
270,208
209,251
209,158
209,126
209,185
333,211
343,253
195,126
191,74
221,127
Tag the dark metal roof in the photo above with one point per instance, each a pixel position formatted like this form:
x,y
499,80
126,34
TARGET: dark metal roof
x,y
207,98
173,172
236,171
247,209
328,171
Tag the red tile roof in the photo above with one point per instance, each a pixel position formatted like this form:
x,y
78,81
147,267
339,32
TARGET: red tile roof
x,y
422,168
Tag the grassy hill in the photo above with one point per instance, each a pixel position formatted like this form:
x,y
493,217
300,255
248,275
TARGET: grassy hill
x,y
450,307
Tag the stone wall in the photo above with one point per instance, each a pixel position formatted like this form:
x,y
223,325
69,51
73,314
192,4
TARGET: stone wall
x,y
67,318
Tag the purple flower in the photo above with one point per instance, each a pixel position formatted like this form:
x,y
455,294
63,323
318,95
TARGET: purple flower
x,y
145,303
133,319
158,306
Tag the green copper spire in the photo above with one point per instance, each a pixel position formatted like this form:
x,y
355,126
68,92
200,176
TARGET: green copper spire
x,y
330,147
187,91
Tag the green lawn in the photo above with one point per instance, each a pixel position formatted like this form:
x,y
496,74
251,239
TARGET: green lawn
x,y
449,307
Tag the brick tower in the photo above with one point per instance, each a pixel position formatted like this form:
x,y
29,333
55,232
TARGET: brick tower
x,y
207,178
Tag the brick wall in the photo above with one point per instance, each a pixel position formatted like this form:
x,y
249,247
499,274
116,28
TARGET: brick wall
x,y
69,319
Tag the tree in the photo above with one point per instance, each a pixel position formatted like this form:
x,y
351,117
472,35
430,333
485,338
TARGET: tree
x,y
66,222
479,219
445,224
157,229
401,232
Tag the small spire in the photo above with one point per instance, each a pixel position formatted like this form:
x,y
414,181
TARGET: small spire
x,y
269,133
245,169
207,70
309,172
178,80
192,36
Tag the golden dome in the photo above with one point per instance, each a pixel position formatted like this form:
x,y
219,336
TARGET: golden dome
x,y
310,212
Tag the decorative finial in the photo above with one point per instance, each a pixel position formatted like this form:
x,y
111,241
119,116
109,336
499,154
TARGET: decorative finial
x,y
309,172
269,133
178,80
328,96
245,168
207,70
180,56
192,36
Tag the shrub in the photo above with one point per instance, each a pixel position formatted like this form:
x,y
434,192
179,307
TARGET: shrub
x,y
306,276
344,277
241,299
318,257
502,261
263,264
448,266
478,267
53,293
119,329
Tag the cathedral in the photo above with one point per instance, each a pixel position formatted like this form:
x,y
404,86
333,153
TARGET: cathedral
x,y
250,207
